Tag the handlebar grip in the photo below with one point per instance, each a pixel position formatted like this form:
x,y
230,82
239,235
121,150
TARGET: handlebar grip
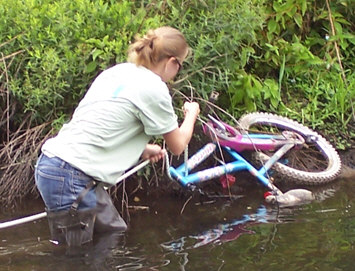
x,y
213,97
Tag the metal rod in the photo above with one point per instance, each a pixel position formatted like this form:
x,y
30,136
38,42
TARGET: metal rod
x,y
276,157
19,221
133,170
26,219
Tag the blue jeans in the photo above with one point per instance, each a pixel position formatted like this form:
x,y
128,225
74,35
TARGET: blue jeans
x,y
60,184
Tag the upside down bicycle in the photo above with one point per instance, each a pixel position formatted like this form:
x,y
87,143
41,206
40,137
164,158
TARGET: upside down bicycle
x,y
280,144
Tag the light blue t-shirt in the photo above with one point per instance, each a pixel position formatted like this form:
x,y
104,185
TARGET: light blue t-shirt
x,y
124,107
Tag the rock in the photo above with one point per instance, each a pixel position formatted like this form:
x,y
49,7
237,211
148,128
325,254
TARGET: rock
x,y
292,197
347,172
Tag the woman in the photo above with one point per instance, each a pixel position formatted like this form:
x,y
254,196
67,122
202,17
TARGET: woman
x,y
110,129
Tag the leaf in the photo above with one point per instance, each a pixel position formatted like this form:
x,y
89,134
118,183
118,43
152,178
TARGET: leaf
x,y
298,19
271,89
244,57
282,71
274,102
96,53
272,26
338,28
304,7
90,67
250,105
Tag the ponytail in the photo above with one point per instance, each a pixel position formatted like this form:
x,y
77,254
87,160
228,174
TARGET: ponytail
x,y
156,45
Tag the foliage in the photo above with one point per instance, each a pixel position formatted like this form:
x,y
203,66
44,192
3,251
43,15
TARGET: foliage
x,y
292,57
303,39
63,45
221,35
50,53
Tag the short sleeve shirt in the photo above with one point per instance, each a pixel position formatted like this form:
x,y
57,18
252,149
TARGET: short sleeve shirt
x,y
124,107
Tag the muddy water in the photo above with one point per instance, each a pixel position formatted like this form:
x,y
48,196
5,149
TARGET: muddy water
x,y
202,234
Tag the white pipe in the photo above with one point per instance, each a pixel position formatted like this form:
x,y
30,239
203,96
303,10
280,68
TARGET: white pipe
x,y
26,219
133,170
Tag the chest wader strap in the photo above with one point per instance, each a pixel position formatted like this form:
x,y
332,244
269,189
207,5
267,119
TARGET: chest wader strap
x,y
73,227
74,207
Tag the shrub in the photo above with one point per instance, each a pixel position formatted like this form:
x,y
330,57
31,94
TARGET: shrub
x,y
291,57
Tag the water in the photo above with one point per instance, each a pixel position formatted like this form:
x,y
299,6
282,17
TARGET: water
x,y
178,233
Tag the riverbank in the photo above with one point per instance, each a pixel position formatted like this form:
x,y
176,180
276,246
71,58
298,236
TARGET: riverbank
x,y
348,160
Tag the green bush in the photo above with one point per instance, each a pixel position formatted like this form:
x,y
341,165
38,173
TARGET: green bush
x,y
64,45
291,57
280,56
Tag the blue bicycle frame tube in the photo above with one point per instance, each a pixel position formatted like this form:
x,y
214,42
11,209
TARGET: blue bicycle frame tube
x,y
260,174
239,164
207,174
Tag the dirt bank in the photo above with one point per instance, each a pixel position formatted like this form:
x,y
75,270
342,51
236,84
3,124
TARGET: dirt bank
x,y
348,160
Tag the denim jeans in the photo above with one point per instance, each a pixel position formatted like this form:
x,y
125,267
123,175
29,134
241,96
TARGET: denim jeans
x,y
60,184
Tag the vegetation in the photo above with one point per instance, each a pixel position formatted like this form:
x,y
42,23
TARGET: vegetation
x,y
291,57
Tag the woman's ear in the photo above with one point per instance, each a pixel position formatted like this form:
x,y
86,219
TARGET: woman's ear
x,y
171,68
169,64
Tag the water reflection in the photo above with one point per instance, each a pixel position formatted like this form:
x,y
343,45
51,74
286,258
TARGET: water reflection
x,y
106,252
232,233
221,233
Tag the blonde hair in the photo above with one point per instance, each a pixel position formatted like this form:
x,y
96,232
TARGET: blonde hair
x,y
156,45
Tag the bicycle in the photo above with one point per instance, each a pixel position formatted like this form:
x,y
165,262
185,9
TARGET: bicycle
x,y
280,144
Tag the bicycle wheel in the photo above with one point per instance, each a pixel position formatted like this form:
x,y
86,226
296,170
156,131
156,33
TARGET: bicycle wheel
x,y
315,163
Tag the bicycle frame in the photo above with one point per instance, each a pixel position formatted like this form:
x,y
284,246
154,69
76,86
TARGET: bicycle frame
x,y
233,145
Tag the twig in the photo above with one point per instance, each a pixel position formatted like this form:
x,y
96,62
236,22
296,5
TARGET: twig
x,y
11,55
7,42
186,202
17,156
124,204
138,208
7,101
335,43
338,52
205,69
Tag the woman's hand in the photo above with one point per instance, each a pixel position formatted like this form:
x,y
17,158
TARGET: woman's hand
x,y
191,108
153,152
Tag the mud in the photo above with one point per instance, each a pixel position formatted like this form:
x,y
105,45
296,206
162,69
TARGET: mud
x,y
348,161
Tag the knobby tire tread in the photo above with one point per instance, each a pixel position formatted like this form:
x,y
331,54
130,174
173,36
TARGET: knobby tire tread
x,y
296,175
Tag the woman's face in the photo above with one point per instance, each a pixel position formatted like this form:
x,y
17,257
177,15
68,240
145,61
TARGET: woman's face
x,y
172,67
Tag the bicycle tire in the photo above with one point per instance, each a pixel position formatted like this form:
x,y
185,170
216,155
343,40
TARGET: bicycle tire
x,y
330,158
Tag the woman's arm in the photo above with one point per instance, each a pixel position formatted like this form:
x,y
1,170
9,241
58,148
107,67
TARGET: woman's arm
x,y
178,139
